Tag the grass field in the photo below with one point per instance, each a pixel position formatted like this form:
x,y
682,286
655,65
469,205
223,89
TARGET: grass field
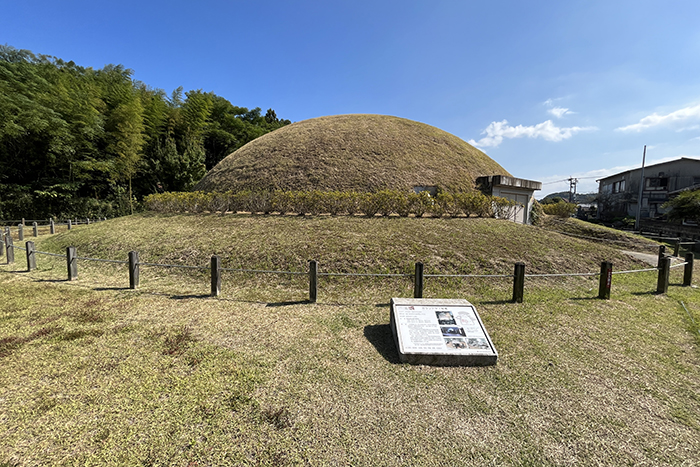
x,y
96,374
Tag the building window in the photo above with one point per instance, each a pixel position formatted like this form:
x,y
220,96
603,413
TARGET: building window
x,y
656,183
618,187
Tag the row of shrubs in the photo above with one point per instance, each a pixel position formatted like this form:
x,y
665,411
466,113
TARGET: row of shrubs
x,y
560,209
385,202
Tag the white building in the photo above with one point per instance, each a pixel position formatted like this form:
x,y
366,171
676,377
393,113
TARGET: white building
x,y
516,189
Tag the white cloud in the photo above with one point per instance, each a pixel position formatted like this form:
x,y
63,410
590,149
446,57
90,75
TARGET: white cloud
x,y
559,112
497,131
655,119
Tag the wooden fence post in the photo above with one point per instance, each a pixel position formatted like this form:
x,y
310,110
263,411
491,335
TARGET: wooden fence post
x,y
35,228
688,270
72,261
70,224
31,257
10,248
664,273
52,227
87,221
677,248
662,253
215,276
2,242
20,232
134,269
418,281
519,283
606,269
313,281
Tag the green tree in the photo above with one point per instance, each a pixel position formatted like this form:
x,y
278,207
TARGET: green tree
x,y
684,206
78,141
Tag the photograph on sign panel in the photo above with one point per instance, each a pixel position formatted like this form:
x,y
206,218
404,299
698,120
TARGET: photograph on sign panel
x,y
478,343
445,317
452,331
455,343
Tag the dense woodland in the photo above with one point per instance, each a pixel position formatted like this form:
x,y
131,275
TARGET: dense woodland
x,y
75,141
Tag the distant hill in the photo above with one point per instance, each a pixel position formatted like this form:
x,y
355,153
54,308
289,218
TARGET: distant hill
x,y
580,198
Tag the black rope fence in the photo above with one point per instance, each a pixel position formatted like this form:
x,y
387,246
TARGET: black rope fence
x,y
606,272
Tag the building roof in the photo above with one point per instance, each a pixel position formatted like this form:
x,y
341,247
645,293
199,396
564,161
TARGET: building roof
x,y
652,166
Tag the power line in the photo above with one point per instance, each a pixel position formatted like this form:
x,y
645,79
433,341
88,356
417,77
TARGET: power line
x,y
568,179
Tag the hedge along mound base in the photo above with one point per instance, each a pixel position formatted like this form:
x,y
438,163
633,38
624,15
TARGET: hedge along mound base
x,y
441,332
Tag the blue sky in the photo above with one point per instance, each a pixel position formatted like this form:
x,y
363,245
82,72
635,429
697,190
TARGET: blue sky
x,y
549,89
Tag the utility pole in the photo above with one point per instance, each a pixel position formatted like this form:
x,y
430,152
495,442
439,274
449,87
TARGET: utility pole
x,y
572,189
641,192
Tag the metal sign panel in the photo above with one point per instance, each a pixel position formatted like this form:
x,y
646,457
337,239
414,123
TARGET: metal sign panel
x,y
440,332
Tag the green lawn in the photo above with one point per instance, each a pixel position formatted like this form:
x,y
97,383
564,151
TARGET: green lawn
x,y
95,374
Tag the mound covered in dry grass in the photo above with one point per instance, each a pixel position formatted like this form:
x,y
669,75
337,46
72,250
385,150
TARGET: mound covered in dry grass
x,y
352,153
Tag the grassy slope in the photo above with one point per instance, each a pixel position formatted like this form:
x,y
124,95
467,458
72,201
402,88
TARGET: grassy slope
x,y
340,244
113,376
352,152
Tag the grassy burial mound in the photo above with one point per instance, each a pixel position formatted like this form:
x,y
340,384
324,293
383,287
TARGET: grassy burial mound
x,y
352,153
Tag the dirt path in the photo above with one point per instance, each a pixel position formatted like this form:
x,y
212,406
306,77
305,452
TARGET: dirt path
x,y
652,259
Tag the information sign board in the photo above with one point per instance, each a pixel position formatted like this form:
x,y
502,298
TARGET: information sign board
x,y
440,332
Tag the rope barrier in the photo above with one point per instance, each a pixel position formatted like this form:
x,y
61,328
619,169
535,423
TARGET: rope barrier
x,y
358,274
635,270
182,266
564,275
102,260
338,274
49,254
262,271
690,316
467,275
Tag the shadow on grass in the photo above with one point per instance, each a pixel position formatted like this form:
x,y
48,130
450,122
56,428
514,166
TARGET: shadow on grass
x,y
18,272
101,289
288,303
183,297
379,335
648,292
53,281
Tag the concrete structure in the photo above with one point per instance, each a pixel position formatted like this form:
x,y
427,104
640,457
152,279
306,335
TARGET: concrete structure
x,y
618,194
446,332
516,189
